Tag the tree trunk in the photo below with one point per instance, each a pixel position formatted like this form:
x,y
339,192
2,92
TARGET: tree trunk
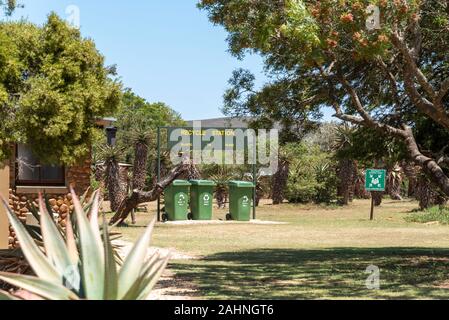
x,y
280,182
346,176
411,172
394,182
137,197
259,194
192,173
140,166
428,194
429,165
221,196
359,187
114,185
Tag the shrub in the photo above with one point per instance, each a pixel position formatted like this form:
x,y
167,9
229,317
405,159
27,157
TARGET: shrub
x,y
437,213
80,263
312,176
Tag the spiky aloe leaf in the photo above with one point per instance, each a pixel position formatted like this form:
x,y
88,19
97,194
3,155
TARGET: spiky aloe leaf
x,y
92,255
40,287
94,216
35,257
54,243
134,290
111,278
72,250
151,277
6,296
132,266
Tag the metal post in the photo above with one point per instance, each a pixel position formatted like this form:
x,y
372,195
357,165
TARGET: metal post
x,y
372,207
254,180
158,171
255,191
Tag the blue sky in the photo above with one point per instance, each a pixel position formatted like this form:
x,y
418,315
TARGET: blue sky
x,y
165,50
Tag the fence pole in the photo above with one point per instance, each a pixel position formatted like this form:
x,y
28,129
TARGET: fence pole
x,y
158,171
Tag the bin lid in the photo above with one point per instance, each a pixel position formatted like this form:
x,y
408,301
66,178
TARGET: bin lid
x,y
241,184
202,183
181,183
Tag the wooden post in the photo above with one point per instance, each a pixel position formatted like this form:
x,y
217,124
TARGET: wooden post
x,y
372,207
4,191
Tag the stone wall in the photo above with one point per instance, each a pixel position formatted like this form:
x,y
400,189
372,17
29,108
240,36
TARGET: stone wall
x,y
78,176
61,204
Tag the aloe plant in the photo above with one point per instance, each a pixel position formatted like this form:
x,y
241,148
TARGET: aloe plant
x,y
14,261
82,266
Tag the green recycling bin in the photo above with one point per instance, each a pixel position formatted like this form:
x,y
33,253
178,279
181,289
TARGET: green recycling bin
x,y
240,196
201,198
177,201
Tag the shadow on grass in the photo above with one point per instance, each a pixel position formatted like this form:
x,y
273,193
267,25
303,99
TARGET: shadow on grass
x,y
405,273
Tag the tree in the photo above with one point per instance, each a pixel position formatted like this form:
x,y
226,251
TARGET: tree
x,y
137,122
53,84
139,196
311,174
280,178
221,175
384,78
347,167
9,6
112,156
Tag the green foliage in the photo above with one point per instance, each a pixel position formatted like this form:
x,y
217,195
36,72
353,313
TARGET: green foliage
x,y
311,47
312,176
83,269
53,84
434,214
138,119
367,146
9,6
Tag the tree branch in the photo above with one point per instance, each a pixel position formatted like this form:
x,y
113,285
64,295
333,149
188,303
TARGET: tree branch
x,y
393,82
444,88
436,112
138,196
399,43
365,116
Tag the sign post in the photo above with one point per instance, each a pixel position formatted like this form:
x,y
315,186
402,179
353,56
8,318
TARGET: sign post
x,y
375,180
4,192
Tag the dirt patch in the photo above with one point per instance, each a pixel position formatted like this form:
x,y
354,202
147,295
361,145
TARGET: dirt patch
x,y
169,287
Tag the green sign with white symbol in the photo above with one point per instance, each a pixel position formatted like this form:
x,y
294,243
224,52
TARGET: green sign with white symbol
x,y
375,180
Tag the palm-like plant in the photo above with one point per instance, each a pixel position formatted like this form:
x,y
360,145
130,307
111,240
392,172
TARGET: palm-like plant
x,y
222,176
347,168
82,266
112,156
280,178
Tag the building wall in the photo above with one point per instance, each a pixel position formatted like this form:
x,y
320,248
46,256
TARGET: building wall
x,y
4,186
21,198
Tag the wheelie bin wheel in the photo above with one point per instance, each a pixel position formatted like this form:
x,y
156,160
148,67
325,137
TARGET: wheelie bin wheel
x,y
165,217
190,216
228,217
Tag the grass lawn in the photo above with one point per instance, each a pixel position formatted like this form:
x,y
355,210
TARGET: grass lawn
x,y
320,253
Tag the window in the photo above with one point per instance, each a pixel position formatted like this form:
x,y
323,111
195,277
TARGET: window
x,y
30,172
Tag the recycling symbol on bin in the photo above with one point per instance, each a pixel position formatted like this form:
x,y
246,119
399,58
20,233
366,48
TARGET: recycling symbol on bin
x,y
182,199
206,197
245,201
